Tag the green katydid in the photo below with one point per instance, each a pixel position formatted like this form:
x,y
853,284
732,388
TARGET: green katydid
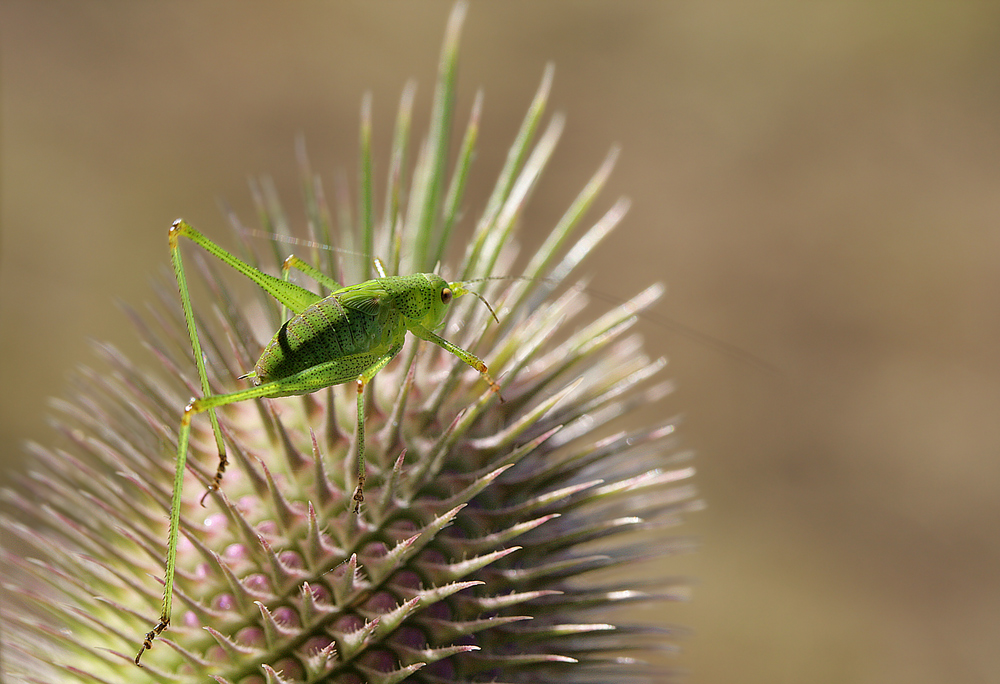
x,y
347,336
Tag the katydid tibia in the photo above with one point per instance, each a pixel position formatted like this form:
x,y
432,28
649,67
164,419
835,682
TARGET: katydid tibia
x,y
347,336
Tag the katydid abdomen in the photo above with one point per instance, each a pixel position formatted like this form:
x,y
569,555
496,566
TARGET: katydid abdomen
x,y
333,329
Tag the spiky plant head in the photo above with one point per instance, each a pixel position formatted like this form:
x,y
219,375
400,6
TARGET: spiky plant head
x,y
496,539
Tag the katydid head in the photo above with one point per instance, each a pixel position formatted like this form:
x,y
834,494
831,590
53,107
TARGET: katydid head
x,y
443,293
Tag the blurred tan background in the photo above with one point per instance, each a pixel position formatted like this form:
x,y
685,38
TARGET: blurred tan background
x,y
818,183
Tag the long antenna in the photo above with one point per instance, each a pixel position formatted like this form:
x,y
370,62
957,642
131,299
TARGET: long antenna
x,y
458,289
727,348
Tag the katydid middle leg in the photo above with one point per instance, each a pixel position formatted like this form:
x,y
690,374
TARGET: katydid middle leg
x,y
292,261
362,382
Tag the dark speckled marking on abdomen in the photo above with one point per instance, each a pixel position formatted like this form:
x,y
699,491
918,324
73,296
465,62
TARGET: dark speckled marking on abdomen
x,y
323,332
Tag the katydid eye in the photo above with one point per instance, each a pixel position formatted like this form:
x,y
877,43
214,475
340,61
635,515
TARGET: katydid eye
x,y
446,295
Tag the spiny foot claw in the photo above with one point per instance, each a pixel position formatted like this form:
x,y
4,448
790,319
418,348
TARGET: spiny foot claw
x,y
211,488
147,643
359,497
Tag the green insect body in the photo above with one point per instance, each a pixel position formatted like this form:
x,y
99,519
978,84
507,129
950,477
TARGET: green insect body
x,y
345,333
347,336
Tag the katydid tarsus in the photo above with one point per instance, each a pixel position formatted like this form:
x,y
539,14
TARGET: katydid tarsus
x,y
347,336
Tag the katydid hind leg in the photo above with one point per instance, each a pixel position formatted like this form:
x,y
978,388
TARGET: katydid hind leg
x,y
183,435
290,295
176,230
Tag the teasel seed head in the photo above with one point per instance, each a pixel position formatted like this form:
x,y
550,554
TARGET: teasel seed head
x,y
499,542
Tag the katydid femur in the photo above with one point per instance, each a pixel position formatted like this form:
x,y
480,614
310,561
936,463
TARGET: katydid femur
x,y
347,336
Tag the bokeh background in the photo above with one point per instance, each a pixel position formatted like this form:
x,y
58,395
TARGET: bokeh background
x,y
818,183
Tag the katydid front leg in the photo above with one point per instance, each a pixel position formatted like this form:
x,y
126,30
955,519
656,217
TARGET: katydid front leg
x,y
468,357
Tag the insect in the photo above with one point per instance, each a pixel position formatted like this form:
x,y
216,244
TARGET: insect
x,y
347,336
